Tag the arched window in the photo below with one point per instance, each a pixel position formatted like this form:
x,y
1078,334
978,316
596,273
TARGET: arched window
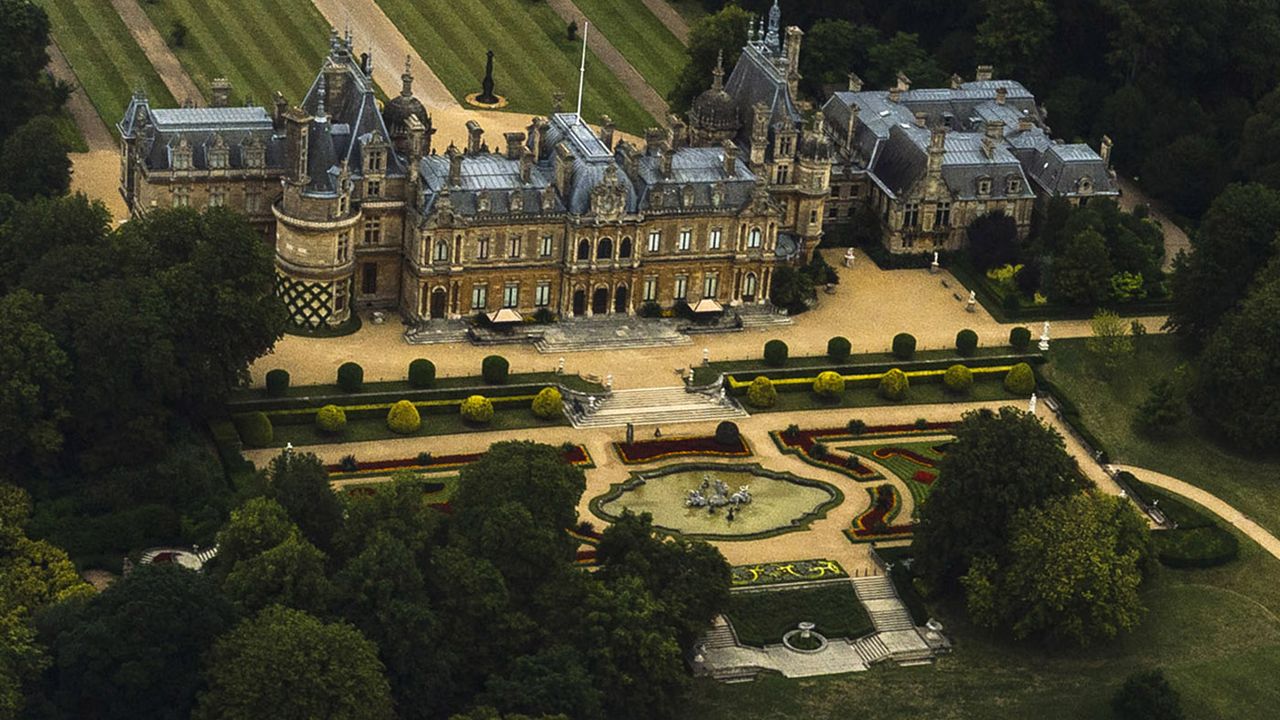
x,y
624,248
604,249
442,251
753,240
584,249
749,287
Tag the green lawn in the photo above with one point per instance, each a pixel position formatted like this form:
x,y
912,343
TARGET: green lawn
x,y
106,60
762,617
646,43
532,56
1107,406
903,468
1214,632
261,46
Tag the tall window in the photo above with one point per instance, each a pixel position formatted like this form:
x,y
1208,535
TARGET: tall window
x,y
513,246
584,249
650,289
340,290
545,249
655,240
510,295
686,239
624,248
682,287
181,196
710,285
372,231
783,174
542,294
369,279
604,249
911,215
482,249
942,215
442,250
373,188
217,197
252,199
344,247
218,159
479,298
713,240
375,160
753,238
182,158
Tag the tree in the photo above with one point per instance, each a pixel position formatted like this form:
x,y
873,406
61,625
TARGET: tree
x,y
1236,388
403,418
792,289
721,34
1072,572
1082,272
35,385
1001,462
254,528
34,162
291,574
1110,344
832,49
894,384
1235,241
1259,156
1147,696
829,384
300,483
903,53
26,93
135,649
552,680
286,664
1015,35
548,403
1164,409
761,393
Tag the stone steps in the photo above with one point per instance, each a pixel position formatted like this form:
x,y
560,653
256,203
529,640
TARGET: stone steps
x,y
750,322
886,610
657,406
871,649
434,335
720,635
553,345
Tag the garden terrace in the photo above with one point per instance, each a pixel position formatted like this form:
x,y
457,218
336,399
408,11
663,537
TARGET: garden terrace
x,y
915,464
365,423
573,454
803,442
761,617
296,396
644,451
744,371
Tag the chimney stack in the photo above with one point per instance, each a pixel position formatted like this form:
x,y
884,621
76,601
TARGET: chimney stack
x,y
1002,94
904,82
920,119
794,36
664,162
630,159
221,93
985,73
995,130
474,131
895,94
607,128
515,144
282,107
1025,123
1105,150
956,81
455,165
526,166
677,135
855,82
654,139
563,168
730,158
988,147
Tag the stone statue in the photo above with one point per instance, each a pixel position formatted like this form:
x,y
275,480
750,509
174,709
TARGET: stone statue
x,y
933,266
1031,406
486,86
1044,337
972,305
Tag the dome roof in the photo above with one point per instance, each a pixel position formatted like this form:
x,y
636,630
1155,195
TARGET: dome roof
x,y
397,111
713,110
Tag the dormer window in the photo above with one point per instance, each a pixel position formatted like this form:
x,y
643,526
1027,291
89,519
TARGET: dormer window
x,y
516,201
254,156
218,158
376,161
1085,185
182,156
686,196
1013,186
984,186
482,201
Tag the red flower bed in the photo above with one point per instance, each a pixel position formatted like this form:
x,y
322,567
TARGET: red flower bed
x,y
924,477
805,439
649,450
872,522
884,453
577,455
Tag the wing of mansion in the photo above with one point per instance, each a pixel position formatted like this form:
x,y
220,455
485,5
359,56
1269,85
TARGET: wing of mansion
x,y
365,212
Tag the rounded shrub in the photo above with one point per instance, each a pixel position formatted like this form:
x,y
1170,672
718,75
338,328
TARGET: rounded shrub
x,y
838,348
1020,338
1020,380
403,418
350,377
828,384
761,393
548,403
277,382
958,379
727,434
904,346
422,373
775,353
331,419
255,429
477,409
894,385
494,369
966,342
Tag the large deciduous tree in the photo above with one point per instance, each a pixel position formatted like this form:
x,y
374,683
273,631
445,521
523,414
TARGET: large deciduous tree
x,y
724,32
1082,273
300,483
34,383
34,162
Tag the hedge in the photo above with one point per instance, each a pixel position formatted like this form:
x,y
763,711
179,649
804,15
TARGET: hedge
x,y
864,378
775,353
904,346
477,409
255,429
1070,413
958,379
302,416
879,368
277,382
495,369
829,384
839,348
894,385
1198,541
403,418
351,377
422,373
1020,380
727,434
761,393
1020,338
966,342
331,419
548,404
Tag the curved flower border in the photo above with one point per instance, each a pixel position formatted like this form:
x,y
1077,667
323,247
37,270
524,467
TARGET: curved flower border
x,y
681,447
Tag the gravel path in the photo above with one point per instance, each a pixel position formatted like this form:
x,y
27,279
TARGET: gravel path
x,y
631,78
92,129
1237,519
668,16
371,27
167,66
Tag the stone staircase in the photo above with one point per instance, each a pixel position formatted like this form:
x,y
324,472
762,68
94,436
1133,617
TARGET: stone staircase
x,y
609,334
657,406
437,331
887,612
721,634
871,649
762,316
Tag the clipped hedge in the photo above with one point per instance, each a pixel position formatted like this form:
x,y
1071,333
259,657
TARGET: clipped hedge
x,y
403,418
277,382
331,419
966,342
839,348
548,404
904,346
727,434
255,429
351,377
1020,380
958,379
495,369
829,384
1198,541
775,353
1020,338
422,373
477,409
761,393
894,385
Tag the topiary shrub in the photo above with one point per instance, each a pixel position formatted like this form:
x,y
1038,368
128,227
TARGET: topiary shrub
x,y
958,379
904,346
829,384
775,353
350,377
894,385
403,418
494,369
348,463
856,427
477,409
966,342
819,450
1147,696
255,429
1020,380
277,382
548,404
792,431
838,348
331,419
1020,338
727,434
761,393
422,373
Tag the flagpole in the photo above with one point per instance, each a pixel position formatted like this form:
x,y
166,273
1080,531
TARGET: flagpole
x,y
582,70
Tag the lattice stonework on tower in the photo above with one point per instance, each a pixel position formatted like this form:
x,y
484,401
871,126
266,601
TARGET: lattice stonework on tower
x,y
310,303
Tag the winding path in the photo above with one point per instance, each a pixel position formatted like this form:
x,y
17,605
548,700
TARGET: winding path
x,y
1237,519
631,79
167,66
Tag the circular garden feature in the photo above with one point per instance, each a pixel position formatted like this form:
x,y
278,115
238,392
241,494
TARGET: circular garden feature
x,y
683,500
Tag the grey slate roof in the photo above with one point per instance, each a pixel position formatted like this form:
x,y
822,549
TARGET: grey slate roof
x,y
702,171
161,131
488,173
757,78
